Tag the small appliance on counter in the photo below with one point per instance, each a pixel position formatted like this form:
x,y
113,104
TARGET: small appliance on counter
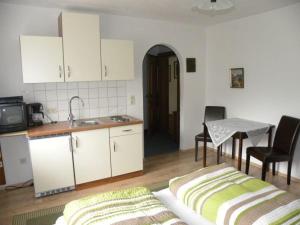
x,y
35,114
12,114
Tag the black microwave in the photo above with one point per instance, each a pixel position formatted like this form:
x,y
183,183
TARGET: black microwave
x,y
12,114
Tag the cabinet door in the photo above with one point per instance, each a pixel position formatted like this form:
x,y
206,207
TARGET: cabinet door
x,y
126,154
42,59
117,59
81,34
52,163
91,155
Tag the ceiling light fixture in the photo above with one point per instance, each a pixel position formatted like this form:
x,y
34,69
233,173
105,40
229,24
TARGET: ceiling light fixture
x,y
214,5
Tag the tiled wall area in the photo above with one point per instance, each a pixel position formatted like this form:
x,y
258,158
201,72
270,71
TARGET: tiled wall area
x,y
103,98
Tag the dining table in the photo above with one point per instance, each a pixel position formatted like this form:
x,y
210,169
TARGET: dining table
x,y
221,131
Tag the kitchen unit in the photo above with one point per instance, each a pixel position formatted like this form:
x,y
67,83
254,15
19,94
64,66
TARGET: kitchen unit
x,y
52,164
126,143
91,155
79,54
117,59
42,59
91,151
81,46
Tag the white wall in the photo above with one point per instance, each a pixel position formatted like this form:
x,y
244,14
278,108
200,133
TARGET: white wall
x,y
268,47
185,40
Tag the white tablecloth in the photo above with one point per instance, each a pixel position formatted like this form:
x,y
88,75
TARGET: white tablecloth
x,y
221,130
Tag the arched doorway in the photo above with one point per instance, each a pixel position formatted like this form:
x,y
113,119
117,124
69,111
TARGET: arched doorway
x,y
161,90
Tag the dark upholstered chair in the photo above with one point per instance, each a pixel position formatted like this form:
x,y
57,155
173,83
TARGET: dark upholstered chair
x,y
211,113
283,147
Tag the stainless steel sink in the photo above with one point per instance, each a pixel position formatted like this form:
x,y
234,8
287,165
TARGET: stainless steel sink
x,y
90,122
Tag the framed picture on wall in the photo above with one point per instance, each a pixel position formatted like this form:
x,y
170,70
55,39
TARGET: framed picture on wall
x,y
237,77
190,65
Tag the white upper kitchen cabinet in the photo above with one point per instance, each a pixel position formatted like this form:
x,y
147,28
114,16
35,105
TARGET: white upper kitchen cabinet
x,y
91,155
81,34
117,59
42,59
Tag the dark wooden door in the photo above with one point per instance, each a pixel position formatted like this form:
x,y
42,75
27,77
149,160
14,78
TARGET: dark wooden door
x,y
163,92
152,94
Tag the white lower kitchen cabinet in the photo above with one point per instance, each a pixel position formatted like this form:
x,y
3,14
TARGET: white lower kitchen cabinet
x,y
52,165
126,149
91,155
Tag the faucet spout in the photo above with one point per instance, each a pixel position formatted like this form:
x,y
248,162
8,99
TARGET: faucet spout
x,y
71,115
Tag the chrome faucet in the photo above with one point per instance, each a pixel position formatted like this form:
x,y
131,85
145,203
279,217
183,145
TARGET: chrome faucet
x,y
71,116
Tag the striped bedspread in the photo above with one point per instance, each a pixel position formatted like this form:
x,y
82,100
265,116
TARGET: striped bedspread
x,y
135,206
226,196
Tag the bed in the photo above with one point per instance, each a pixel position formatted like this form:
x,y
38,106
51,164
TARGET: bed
x,y
168,199
218,195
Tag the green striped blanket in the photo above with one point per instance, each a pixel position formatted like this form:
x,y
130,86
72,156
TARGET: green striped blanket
x,y
134,206
226,196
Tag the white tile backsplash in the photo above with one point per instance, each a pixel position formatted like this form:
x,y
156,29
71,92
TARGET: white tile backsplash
x,y
112,92
62,86
93,84
121,91
83,93
51,86
102,84
93,93
103,92
112,102
103,98
83,84
94,103
51,95
72,85
39,87
103,102
112,83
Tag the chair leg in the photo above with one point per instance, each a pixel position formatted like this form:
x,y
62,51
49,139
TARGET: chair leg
x,y
218,155
289,172
274,168
196,150
264,171
233,148
247,163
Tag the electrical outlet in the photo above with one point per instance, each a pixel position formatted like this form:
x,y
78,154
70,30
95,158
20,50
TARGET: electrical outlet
x,y
23,160
132,100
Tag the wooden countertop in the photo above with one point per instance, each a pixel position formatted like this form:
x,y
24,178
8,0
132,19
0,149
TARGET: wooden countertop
x,y
18,133
64,127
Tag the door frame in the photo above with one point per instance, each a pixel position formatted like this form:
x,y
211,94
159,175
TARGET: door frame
x,y
179,86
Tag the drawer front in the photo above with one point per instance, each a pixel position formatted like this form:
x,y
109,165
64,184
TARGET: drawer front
x,y
126,130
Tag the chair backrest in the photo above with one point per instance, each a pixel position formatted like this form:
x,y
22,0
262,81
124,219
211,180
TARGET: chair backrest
x,y
214,113
286,135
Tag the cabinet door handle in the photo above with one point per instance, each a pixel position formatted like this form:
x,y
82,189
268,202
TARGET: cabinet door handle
x,y
105,68
127,130
76,142
70,144
60,71
115,147
69,71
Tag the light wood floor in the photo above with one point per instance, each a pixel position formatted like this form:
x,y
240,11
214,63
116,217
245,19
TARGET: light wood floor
x,y
157,170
